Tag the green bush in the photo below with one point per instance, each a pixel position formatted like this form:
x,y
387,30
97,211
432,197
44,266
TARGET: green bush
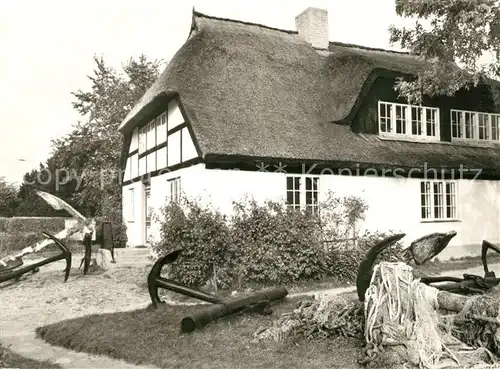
x,y
203,235
346,258
260,243
274,244
19,232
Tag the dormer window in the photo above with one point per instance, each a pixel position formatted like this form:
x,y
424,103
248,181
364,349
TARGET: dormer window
x,y
403,121
475,126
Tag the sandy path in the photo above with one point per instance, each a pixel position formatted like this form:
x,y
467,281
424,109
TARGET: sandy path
x,y
43,298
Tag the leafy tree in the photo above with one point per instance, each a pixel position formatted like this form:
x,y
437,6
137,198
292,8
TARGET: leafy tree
x,y
28,202
87,159
449,33
83,169
8,198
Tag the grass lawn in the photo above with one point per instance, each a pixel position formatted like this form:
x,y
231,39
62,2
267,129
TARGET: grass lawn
x,y
153,337
8,359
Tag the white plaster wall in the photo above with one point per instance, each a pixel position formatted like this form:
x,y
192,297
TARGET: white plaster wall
x,y
220,187
174,117
160,190
394,203
214,187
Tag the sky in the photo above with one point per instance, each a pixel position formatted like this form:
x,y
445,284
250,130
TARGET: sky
x,y
48,48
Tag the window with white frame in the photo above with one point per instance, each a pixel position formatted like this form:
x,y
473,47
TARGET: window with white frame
x,y
161,129
175,189
475,126
147,208
495,127
312,194
293,192
403,120
438,200
302,193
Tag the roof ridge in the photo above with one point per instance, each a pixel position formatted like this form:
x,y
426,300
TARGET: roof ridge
x,y
201,15
337,43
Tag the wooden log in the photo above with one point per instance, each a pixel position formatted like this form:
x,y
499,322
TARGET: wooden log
x,y
455,302
231,306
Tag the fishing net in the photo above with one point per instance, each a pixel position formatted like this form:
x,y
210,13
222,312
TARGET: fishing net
x,y
400,322
329,316
403,324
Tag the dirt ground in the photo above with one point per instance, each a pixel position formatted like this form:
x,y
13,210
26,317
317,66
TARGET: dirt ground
x,y
43,298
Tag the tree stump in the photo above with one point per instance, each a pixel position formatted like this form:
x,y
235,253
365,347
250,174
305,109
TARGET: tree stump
x,y
103,259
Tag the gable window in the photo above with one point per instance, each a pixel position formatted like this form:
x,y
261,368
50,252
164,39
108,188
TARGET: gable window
x,y
474,126
142,139
408,121
431,121
438,200
302,193
150,135
482,121
161,129
175,189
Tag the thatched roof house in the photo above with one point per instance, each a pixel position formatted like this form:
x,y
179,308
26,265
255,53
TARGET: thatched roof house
x,y
251,91
246,96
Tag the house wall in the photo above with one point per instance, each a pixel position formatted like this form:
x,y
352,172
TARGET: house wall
x,y
394,203
210,187
134,201
165,145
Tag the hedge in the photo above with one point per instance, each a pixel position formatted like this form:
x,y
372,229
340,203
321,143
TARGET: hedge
x,y
267,244
19,232
31,224
10,242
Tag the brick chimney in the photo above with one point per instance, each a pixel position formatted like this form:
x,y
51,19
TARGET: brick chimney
x,y
312,26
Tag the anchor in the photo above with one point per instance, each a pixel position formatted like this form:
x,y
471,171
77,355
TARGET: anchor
x,y
256,301
16,271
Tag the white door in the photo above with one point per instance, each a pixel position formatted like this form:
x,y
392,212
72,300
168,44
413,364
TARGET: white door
x,y
147,212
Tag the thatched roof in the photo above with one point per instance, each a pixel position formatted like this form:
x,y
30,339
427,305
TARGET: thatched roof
x,y
253,91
